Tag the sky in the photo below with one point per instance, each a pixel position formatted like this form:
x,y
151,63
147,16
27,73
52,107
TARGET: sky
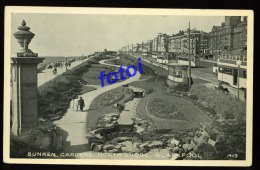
x,y
77,34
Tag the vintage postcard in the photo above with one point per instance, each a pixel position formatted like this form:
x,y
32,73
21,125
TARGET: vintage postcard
x,y
111,86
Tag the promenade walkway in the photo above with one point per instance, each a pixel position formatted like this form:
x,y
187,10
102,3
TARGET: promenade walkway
x,y
47,74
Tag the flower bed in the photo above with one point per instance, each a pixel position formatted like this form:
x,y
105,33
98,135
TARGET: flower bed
x,y
111,98
163,109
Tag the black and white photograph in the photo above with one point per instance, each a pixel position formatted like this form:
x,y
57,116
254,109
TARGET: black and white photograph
x,y
115,86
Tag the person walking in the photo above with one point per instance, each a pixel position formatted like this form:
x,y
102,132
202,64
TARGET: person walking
x,y
245,94
76,104
54,71
81,104
72,104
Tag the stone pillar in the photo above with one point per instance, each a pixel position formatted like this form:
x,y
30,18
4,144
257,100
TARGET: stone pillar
x,y
24,83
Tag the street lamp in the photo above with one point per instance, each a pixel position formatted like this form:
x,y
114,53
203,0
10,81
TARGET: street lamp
x,y
66,63
238,62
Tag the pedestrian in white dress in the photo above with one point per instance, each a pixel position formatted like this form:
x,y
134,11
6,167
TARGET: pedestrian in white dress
x,y
76,105
72,104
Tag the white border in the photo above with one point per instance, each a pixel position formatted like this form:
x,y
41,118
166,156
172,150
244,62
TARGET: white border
x,y
127,11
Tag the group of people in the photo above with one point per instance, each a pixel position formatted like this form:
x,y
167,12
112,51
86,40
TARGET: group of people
x,y
55,70
77,103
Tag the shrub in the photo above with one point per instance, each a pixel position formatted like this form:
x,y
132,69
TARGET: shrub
x,y
220,102
194,97
183,87
32,140
228,115
210,110
206,151
149,91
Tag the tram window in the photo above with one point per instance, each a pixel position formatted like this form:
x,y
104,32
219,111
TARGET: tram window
x,y
225,70
228,71
220,70
177,74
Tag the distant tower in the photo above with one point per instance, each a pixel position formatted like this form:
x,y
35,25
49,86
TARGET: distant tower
x,y
232,20
24,83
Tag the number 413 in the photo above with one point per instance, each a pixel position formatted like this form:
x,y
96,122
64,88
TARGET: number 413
x,y
232,156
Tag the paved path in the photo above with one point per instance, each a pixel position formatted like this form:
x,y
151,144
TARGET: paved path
x,y
74,123
47,75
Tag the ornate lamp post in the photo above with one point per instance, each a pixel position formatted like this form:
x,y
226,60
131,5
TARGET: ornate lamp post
x,y
238,62
66,63
24,83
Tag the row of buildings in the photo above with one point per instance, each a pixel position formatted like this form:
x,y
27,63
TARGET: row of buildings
x,y
226,44
230,34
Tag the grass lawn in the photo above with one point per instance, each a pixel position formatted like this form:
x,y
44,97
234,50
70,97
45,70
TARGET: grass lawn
x,y
86,89
92,75
199,81
96,111
194,115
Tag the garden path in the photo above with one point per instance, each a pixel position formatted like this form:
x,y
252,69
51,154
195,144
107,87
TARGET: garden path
x,y
74,123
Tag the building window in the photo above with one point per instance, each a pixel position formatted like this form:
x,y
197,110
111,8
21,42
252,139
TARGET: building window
x,y
226,56
177,74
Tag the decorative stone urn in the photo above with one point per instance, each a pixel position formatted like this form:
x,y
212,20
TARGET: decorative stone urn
x,y
24,98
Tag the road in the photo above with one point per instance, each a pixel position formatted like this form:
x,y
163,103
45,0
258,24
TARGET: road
x,y
205,73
